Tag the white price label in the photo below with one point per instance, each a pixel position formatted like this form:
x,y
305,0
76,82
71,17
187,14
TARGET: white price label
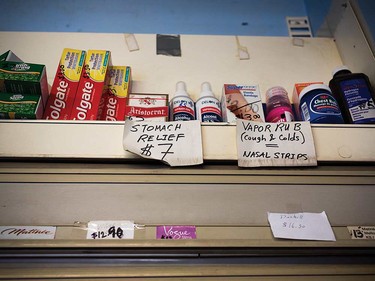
x,y
302,226
110,230
362,232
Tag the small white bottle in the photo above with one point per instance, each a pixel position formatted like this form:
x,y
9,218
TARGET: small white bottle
x,y
208,107
181,106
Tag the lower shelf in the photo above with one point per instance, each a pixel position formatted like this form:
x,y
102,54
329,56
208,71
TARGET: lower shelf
x,y
221,253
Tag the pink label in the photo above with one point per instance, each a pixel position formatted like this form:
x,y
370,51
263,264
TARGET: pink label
x,y
176,232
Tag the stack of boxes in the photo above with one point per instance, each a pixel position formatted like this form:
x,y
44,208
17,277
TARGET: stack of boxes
x,y
23,88
86,87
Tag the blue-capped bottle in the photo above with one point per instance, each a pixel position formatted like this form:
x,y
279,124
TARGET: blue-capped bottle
x,y
181,107
355,95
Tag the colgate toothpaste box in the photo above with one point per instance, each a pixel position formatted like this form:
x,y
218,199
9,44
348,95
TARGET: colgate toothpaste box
x,y
117,88
148,107
91,85
65,85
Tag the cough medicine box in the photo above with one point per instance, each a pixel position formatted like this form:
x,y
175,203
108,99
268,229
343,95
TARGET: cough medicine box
x,y
91,85
149,107
241,101
17,106
117,88
65,84
24,78
298,87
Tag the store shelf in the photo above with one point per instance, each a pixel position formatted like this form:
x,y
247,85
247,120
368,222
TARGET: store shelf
x,y
103,140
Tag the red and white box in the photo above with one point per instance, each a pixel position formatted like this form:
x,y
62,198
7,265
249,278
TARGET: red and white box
x,y
147,107
91,86
65,85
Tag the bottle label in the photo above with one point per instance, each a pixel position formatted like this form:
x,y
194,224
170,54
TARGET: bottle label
x,y
182,109
324,104
280,114
319,106
208,110
360,103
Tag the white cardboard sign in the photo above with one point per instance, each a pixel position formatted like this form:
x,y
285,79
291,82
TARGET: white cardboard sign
x,y
176,143
27,232
275,144
110,230
301,226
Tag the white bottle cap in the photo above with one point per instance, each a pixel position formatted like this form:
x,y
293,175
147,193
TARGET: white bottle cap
x,y
206,90
339,68
181,89
313,87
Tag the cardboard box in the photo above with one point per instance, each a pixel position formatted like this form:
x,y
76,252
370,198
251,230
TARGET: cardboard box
x,y
9,56
91,86
241,101
65,85
298,87
117,88
24,78
17,106
149,107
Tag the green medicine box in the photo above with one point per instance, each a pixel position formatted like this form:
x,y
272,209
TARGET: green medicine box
x,y
24,78
17,106
9,56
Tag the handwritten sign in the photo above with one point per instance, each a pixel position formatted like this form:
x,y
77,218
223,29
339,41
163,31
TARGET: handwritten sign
x,y
302,226
362,232
275,144
110,230
176,232
27,232
176,143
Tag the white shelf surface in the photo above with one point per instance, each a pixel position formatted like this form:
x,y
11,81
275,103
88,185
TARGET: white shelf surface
x,y
103,140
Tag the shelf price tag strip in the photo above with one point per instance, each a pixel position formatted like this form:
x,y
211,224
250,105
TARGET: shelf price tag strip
x,y
275,144
176,143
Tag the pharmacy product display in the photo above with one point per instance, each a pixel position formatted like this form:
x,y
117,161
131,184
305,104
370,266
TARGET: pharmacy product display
x,y
355,95
87,87
207,107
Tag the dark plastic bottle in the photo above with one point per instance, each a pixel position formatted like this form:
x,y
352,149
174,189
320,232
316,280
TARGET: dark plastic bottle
x,y
355,96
